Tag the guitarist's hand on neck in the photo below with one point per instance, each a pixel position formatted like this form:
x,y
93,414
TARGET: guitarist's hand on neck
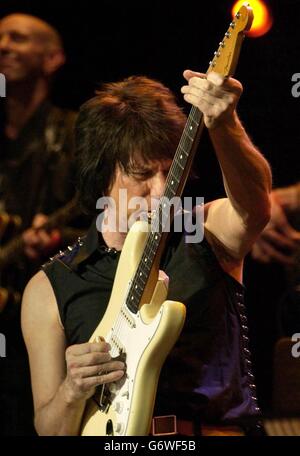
x,y
215,96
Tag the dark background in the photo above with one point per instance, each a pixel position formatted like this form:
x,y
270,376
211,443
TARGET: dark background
x,y
109,40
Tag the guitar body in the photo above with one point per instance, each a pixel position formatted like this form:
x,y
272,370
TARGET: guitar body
x,y
145,337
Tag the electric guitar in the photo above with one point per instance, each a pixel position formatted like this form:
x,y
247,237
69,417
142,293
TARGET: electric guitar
x,y
12,245
15,246
139,323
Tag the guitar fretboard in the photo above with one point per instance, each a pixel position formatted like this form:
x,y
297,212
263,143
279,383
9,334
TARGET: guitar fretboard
x,y
175,182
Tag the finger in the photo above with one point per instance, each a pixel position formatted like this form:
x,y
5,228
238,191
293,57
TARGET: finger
x,y
200,83
216,78
44,238
39,220
88,347
258,254
201,103
280,240
88,359
88,384
289,231
99,369
105,378
207,105
198,96
277,255
213,95
30,237
188,74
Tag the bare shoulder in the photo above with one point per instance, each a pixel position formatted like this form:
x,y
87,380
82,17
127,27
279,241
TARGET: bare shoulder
x,y
39,302
38,284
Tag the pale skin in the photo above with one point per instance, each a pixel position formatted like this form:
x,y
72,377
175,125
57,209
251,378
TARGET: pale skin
x,y
30,53
63,380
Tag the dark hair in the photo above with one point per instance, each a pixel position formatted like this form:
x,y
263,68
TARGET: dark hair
x,y
137,117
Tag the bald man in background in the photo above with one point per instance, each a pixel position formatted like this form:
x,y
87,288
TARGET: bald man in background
x,y
36,179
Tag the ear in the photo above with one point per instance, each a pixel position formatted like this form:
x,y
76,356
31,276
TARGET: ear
x,y
53,60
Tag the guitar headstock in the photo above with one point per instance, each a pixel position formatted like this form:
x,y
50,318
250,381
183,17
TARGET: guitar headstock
x,y
226,57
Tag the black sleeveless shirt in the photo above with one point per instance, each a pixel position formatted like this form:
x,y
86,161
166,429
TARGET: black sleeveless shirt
x,y
208,372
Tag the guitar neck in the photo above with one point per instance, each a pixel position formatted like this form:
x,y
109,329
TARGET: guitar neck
x,y
224,62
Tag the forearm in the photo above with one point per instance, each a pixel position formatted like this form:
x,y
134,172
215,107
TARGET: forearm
x,y
247,175
60,416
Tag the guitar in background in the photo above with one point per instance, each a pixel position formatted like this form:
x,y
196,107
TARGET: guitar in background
x,y
12,244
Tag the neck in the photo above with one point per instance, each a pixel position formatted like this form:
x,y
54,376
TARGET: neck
x,y
110,230
22,101
114,240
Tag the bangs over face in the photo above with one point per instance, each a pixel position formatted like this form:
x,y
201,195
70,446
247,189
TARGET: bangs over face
x,y
129,122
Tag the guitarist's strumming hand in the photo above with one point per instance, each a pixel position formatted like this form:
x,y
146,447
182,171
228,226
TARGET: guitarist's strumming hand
x,y
88,366
39,241
215,96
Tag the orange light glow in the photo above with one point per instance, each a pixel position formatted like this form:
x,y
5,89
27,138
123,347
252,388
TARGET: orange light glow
x,y
262,17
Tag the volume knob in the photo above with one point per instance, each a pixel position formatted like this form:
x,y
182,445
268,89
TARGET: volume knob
x,y
119,428
118,407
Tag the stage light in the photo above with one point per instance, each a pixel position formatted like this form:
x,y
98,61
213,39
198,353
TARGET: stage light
x,y
262,17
